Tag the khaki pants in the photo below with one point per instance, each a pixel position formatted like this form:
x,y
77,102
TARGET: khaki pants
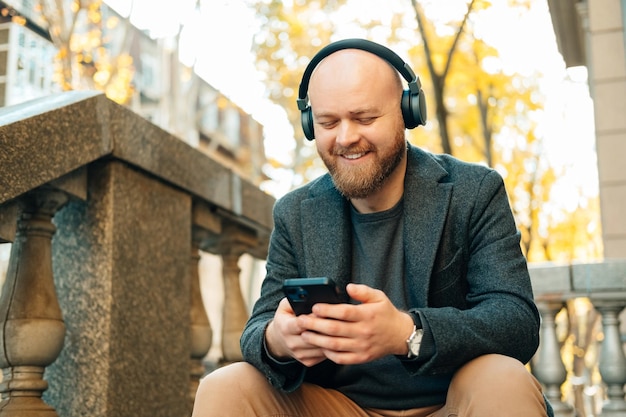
x,y
488,386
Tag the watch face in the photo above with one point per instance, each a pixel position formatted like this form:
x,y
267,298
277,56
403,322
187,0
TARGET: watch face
x,y
415,347
415,341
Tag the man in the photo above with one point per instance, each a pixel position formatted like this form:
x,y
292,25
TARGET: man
x,y
441,318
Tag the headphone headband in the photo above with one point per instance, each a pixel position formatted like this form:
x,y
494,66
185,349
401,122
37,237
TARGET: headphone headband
x,y
363,44
413,104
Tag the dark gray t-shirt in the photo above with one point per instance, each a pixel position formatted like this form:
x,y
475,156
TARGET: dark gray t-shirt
x,y
378,252
378,261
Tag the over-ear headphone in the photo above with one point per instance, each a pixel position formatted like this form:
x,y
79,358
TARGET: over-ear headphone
x,y
413,104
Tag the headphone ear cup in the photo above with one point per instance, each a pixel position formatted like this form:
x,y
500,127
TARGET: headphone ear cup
x,y
306,118
413,109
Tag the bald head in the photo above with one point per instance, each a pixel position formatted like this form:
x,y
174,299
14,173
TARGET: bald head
x,y
355,69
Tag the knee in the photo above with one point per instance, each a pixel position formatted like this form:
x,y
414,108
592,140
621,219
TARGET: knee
x,y
218,388
230,378
495,385
498,372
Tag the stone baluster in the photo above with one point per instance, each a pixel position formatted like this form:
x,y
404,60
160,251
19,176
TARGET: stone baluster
x,y
235,311
612,362
547,364
201,332
205,229
235,242
32,328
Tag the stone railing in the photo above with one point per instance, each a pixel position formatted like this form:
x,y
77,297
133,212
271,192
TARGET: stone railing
x,y
101,312
581,360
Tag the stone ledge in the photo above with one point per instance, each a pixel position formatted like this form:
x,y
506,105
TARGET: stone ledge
x,y
45,139
602,279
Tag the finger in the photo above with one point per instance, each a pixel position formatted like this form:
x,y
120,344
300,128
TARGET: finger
x,y
284,306
346,358
322,311
330,343
329,319
308,355
309,362
364,294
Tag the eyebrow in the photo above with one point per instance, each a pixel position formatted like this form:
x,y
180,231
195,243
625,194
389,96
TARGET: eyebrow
x,y
357,112
365,110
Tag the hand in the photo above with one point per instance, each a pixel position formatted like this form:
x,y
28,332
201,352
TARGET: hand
x,y
284,340
352,334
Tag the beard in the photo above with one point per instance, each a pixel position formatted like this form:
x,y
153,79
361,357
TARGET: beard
x,y
358,182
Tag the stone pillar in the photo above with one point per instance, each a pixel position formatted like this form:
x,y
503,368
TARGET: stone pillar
x,y
612,360
32,328
121,262
607,80
548,366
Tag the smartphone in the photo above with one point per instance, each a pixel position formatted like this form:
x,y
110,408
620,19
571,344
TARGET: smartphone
x,y
303,293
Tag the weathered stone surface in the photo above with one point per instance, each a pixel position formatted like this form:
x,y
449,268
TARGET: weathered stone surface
x,y
121,269
122,250
45,139
548,278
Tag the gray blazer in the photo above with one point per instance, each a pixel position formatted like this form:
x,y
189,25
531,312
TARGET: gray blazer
x,y
465,272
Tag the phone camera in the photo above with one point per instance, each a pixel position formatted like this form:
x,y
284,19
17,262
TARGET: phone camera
x,y
297,294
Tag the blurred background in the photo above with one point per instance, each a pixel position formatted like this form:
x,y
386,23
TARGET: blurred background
x,y
533,88
223,76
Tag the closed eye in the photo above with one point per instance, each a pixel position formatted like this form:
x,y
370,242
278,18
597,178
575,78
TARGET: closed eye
x,y
366,120
327,124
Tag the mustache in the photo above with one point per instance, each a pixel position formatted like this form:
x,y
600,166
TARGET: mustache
x,y
342,150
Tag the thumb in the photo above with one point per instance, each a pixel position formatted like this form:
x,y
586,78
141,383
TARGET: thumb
x,y
284,306
364,294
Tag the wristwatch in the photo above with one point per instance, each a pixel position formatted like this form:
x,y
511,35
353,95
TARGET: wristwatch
x,y
415,340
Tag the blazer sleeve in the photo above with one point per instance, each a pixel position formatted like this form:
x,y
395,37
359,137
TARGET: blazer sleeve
x,y
486,304
281,262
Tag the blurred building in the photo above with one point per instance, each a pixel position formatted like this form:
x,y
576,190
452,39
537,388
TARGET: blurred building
x,y
167,93
26,55
592,33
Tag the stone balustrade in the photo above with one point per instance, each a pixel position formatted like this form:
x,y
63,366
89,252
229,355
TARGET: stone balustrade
x,y
596,365
101,312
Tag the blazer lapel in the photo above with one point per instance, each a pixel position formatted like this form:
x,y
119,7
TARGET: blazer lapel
x,y
326,232
426,201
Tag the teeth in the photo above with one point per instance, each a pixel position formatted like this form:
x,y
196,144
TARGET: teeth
x,y
354,156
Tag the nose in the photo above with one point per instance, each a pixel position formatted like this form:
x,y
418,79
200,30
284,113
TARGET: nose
x,y
347,134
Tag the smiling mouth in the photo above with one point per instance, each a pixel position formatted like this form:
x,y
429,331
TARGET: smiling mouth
x,y
354,155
